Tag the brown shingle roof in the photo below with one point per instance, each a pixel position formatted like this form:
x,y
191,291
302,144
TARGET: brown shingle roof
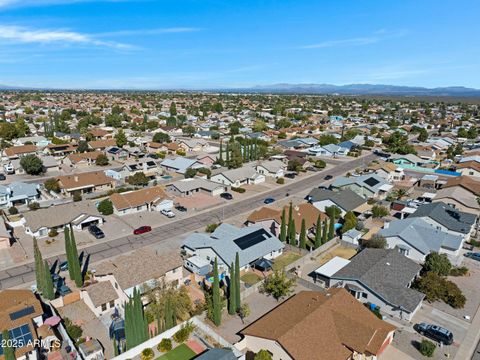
x,y
137,198
102,144
101,293
139,266
77,157
336,323
80,180
467,182
469,164
19,150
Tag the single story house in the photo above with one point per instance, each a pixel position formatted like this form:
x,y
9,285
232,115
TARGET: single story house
x,y
180,164
187,187
81,160
330,150
148,199
346,200
271,168
19,193
245,175
87,182
366,186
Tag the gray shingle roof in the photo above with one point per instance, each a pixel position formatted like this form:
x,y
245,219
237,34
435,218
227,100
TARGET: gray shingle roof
x,y
387,273
346,199
222,242
448,216
421,235
372,182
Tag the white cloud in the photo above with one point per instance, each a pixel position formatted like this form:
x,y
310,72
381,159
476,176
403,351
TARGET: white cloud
x,y
345,42
25,35
171,30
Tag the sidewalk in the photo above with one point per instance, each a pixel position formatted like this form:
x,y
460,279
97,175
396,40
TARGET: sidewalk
x,y
469,343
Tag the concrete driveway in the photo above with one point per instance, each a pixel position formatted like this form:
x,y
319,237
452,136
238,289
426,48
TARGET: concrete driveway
x,y
392,353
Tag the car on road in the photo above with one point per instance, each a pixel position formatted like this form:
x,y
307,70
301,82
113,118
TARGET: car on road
x,y
168,213
473,255
142,230
96,232
328,177
323,187
435,332
268,200
3,177
226,196
181,208
8,168
290,175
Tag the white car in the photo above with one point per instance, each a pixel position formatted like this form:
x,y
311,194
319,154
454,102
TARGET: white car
x,y
9,169
168,213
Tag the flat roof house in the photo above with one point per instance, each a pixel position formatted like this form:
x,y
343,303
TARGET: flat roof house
x,y
331,325
251,243
378,276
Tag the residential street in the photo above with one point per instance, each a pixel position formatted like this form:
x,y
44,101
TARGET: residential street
x,y
22,274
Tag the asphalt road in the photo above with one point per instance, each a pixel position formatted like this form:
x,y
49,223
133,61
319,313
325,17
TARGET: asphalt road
x,y
22,274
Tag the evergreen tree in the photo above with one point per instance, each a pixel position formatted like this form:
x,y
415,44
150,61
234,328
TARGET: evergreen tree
x,y
303,235
283,228
48,291
39,272
8,351
331,229
238,300
216,299
252,153
136,327
325,232
318,233
227,154
232,307
170,318
77,271
220,157
68,250
292,233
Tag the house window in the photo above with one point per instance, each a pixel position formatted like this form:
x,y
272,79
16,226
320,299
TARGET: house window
x,y
112,304
174,271
116,286
104,307
364,295
405,252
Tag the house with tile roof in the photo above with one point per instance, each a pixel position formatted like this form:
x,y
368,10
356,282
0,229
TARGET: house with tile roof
x,y
87,182
101,144
16,152
82,160
147,199
251,243
338,327
379,276
470,168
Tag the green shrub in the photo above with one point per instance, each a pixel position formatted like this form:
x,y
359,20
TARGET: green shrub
x,y
34,206
459,271
183,334
13,210
181,152
210,228
77,196
165,345
105,207
427,348
436,287
147,354
53,233
281,181
238,189
52,185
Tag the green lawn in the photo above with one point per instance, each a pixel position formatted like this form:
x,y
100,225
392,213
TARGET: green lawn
x,y
285,259
181,352
250,278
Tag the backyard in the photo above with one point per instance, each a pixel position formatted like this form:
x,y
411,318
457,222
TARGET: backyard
x,y
181,352
250,278
340,251
285,259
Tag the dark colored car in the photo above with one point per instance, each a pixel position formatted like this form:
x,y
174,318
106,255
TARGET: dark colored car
x,y
181,208
96,232
473,255
142,230
63,266
226,196
328,177
3,177
290,175
437,333
268,200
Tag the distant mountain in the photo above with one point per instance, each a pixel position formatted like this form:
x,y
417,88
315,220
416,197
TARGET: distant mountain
x,y
367,89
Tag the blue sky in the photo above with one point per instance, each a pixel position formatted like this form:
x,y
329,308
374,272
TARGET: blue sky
x,y
162,44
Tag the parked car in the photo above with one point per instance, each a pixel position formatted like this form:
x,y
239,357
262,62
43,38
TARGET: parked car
x,y
168,213
3,177
226,196
8,168
268,200
290,175
181,208
437,333
142,230
63,266
328,177
96,232
473,255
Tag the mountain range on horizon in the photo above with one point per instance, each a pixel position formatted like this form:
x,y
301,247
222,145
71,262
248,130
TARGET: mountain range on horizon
x,y
325,89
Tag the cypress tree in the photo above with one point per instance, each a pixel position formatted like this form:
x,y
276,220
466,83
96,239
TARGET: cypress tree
x,y
169,315
39,272
232,307
238,300
136,327
283,227
77,271
227,155
292,233
303,235
48,291
325,232
331,229
221,153
318,233
8,351
216,300
68,251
